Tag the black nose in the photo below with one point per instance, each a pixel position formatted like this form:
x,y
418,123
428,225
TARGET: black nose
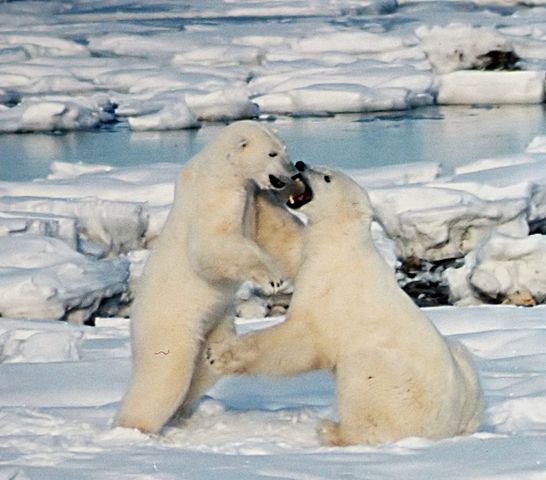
x,y
300,166
276,182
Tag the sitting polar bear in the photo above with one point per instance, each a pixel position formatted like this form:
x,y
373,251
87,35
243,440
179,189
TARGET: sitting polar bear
x,y
207,248
396,376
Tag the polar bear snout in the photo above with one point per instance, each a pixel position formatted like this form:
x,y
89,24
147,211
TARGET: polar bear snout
x,y
300,166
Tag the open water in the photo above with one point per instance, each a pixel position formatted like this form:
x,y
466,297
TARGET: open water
x,y
449,135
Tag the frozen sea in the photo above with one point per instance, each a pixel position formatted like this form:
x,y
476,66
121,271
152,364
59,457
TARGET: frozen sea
x,y
435,107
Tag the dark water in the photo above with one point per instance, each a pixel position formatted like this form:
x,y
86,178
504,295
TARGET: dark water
x,y
449,135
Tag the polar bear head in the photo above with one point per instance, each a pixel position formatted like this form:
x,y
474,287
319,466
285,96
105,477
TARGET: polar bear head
x,y
334,195
256,154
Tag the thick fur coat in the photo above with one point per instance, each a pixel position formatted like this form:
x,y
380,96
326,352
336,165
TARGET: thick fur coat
x,y
396,376
207,248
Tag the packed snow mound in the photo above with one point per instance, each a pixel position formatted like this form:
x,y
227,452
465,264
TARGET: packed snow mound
x,y
32,346
104,227
42,277
463,47
502,269
170,117
467,88
433,223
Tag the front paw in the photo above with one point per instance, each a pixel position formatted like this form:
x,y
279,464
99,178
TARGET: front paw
x,y
223,359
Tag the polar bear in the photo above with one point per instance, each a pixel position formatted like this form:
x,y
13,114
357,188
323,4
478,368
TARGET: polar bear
x,y
395,374
206,249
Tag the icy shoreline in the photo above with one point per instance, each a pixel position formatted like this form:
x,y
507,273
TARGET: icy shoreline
x,y
475,235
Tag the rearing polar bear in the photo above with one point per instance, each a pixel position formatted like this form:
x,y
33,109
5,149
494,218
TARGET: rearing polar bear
x,y
395,374
208,247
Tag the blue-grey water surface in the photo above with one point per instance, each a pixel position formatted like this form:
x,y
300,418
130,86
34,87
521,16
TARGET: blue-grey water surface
x,y
449,135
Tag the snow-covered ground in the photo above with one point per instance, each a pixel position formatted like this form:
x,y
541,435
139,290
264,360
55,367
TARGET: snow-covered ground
x,y
73,244
61,384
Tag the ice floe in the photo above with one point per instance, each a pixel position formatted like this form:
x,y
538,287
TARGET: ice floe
x,y
173,66
464,47
502,269
42,277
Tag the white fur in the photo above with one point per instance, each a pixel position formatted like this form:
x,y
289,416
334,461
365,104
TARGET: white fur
x,y
395,374
205,251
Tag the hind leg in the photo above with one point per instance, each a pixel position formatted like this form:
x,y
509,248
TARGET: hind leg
x,y
161,376
379,401
204,377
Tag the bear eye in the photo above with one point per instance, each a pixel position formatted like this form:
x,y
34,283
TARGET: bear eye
x,y
273,154
327,178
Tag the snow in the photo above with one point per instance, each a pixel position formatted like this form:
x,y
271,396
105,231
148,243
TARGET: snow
x,y
56,411
42,277
466,87
460,47
502,268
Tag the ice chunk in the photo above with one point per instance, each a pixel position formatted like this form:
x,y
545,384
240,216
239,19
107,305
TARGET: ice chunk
x,y
114,226
67,170
537,145
502,269
44,278
221,54
47,116
153,184
65,228
463,47
390,175
353,42
31,346
473,87
222,105
170,117
45,45
333,98
438,223
493,163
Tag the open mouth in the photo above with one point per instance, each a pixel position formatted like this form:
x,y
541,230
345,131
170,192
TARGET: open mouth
x,y
302,195
276,182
